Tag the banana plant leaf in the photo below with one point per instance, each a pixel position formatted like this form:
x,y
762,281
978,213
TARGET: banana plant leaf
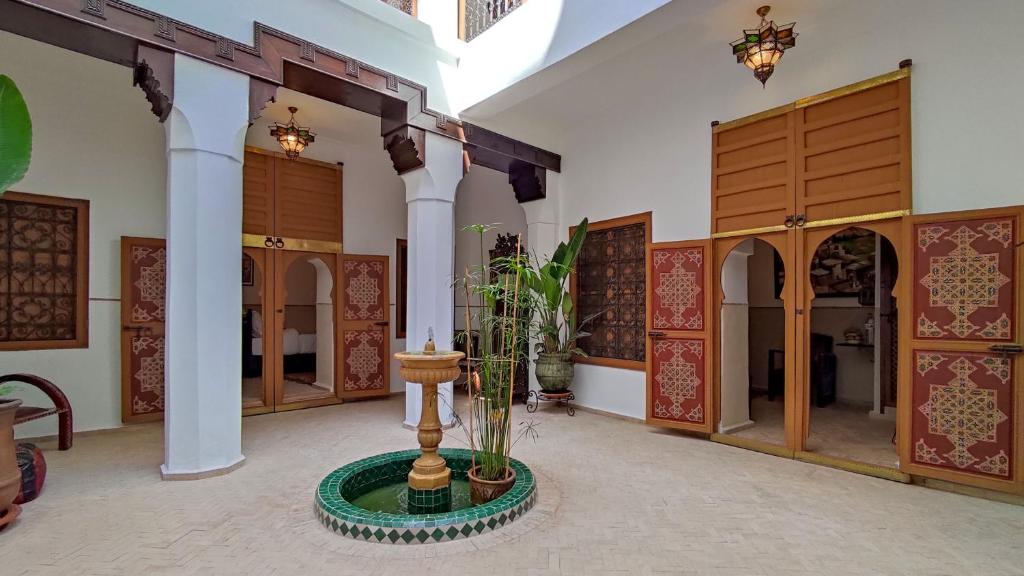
x,y
15,135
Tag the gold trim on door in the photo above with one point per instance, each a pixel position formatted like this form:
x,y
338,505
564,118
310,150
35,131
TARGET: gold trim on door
x,y
282,243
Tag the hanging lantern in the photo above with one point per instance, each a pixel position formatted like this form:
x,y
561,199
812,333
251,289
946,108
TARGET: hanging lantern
x,y
292,137
760,49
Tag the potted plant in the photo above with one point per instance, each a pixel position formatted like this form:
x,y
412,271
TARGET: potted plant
x,y
10,474
504,334
556,314
15,135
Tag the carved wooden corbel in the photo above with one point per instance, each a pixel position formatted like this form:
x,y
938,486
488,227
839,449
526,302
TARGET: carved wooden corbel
x,y
261,93
154,73
407,147
528,180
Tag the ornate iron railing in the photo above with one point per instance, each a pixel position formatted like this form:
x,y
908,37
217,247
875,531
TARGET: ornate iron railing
x,y
476,16
407,6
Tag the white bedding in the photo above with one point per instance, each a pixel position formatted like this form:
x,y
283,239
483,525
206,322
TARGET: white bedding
x,y
294,343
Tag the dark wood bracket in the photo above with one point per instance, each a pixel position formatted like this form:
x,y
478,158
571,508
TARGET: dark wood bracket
x,y
528,181
154,73
261,93
407,148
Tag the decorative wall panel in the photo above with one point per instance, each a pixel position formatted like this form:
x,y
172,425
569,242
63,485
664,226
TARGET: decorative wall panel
x,y
611,283
678,283
143,317
149,284
678,367
364,295
365,360
964,280
963,412
147,375
39,271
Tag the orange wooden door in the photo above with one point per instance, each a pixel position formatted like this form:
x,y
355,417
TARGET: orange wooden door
x,y
258,345
680,348
258,194
365,331
307,200
853,151
306,348
752,172
143,313
960,401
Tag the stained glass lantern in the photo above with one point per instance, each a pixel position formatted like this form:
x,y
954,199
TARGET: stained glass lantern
x,y
761,49
292,137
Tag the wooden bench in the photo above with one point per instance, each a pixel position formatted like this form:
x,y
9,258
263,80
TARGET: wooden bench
x,y
61,407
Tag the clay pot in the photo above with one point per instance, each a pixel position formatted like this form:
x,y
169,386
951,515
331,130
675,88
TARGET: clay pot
x,y
483,491
10,474
554,371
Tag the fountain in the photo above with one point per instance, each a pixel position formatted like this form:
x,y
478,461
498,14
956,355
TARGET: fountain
x,y
418,496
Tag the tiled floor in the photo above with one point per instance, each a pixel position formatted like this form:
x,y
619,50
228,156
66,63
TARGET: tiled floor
x,y
615,498
836,430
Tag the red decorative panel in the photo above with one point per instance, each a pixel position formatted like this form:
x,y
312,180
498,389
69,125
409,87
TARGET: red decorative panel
x,y
365,360
147,374
964,279
963,412
149,273
364,297
678,368
678,286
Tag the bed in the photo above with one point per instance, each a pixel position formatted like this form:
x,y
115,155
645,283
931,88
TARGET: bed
x,y
299,349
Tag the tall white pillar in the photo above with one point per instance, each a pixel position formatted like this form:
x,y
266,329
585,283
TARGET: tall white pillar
x,y
542,237
205,141
430,197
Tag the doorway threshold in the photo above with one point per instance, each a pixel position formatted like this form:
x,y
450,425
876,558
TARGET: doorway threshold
x,y
875,470
749,444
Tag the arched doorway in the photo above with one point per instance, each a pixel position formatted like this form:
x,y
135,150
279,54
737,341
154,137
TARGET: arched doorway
x,y
754,373
850,335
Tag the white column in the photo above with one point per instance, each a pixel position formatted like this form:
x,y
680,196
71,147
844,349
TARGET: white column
x,y
735,353
205,141
542,237
430,196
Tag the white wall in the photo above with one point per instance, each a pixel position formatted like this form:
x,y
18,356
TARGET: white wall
x,y
94,138
483,197
645,143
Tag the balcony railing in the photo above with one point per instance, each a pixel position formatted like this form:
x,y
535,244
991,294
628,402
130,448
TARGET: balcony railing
x,y
476,16
407,6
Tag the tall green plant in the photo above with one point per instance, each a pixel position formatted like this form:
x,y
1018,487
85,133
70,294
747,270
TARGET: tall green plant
x,y
15,135
557,323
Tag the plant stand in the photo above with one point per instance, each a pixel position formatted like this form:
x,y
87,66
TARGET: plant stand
x,y
534,398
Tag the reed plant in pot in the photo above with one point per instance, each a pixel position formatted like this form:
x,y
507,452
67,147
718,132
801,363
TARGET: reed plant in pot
x,y
557,323
500,299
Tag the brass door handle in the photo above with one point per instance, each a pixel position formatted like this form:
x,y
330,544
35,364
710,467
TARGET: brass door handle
x,y
1006,349
384,323
279,243
801,219
656,334
789,222
269,242
136,329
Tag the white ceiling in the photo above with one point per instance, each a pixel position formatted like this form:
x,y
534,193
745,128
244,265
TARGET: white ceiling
x,y
328,120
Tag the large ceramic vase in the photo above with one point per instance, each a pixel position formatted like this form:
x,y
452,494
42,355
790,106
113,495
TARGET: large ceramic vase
x,y
483,491
10,474
554,371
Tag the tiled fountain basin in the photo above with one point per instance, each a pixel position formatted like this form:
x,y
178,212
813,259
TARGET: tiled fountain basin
x,y
334,509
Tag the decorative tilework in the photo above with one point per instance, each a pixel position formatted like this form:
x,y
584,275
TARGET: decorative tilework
x,y
962,412
964,288
677,275
333,509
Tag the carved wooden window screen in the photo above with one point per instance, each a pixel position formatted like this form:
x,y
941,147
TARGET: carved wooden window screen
x,y
610,282
43,272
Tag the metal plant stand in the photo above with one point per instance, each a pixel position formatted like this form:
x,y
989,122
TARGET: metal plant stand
x,y
534,398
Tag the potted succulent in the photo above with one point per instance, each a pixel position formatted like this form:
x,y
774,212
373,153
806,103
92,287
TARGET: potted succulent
x,y
15,135
504,336
556,314
10,474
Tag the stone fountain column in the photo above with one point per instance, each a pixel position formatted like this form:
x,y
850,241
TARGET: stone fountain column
x,y
430,477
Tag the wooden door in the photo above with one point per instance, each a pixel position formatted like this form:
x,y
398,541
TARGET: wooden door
x,y
782,243
143,313
853,151
258,194
307,200
810,240
680,350
366,338
306,348
752,172
960,401
258,341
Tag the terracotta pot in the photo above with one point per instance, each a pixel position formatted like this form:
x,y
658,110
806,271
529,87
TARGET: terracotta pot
x,y
554,371
10,474
483,491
